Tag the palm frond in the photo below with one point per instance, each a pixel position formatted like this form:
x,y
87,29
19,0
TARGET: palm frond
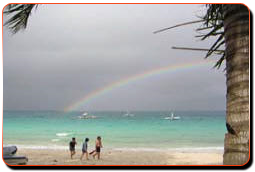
x,y
197,49
219,42
178,25
219,62
213,34
215,29
20,14
214,23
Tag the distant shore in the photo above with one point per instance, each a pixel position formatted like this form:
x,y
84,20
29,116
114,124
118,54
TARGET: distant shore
x,y
122,157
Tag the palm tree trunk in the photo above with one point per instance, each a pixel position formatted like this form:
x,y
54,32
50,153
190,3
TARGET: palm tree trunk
x,y
236,27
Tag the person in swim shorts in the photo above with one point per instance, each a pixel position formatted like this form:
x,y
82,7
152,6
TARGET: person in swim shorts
x,y
98,147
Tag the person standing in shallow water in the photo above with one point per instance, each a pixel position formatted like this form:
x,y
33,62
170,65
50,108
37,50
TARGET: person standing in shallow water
x,y
72,147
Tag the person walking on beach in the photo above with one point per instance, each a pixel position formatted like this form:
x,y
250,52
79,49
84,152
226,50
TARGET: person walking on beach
x,y
72,147
98,148
85,149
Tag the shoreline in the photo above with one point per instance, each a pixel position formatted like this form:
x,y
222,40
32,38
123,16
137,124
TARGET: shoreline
x,y
122,157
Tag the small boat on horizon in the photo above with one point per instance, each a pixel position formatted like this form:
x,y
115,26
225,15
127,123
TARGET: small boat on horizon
x,y
86,115
127,114
172,117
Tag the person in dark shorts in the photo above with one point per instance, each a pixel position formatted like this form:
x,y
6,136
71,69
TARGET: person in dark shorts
x,y
98,147
72,147
85,149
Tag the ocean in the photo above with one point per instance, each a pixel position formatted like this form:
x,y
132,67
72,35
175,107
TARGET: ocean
x,y
148,131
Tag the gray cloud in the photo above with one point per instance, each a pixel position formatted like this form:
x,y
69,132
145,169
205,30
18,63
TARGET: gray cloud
x,y
68,51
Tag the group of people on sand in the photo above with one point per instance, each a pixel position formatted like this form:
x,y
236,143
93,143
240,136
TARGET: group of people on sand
x,y
94,153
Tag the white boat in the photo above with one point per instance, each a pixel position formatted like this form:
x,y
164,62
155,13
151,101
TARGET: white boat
x,y
172,117
87,116
128,114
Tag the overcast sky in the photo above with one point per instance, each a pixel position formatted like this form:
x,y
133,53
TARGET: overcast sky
x,y
68,51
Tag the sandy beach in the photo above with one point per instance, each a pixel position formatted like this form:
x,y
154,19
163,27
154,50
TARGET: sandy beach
x,y
119,157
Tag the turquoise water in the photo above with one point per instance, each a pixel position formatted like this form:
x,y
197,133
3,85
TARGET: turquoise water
x,y
146,130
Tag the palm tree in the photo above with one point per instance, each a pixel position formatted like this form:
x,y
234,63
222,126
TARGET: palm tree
x,y
236,33
230,23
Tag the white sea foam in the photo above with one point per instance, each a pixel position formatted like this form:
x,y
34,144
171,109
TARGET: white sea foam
x,y
185,149
42,147
55,140
63,134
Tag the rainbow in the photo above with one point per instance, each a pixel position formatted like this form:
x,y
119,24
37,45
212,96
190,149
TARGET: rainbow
x,y
125,81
